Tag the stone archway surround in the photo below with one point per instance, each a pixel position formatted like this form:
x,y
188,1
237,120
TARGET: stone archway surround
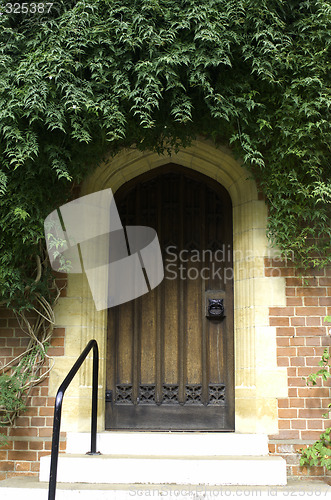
x,y
258,380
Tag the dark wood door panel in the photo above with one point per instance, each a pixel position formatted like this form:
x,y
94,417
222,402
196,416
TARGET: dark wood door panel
x,y
168,365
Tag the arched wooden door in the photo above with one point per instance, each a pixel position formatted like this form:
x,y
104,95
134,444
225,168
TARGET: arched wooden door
x,y
170,359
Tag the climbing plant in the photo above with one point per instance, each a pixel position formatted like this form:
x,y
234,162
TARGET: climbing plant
x,y
319,453
19,375
88,77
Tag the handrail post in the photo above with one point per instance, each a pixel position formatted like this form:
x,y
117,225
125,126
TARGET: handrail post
x,y
93,450
58,409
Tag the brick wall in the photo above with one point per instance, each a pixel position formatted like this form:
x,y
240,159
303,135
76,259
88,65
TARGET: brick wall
x,y
302,336
30,437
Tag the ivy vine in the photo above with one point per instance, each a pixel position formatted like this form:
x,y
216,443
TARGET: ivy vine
x,y
92,77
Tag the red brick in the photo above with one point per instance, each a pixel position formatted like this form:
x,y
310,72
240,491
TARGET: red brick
x,y
279,321
44,391
30,456
286,271
283,361
297,341
296,382
57,342
307,471
272,272
309,311
7,351
272,448
326,424
35,466
312,321
298,361
36,445
325,281
311,301
293,301
58,332
5,332
7,466
290,292
297,403
14,324
310,330
45,412
310,434
286,351
293,281
283,342
285,331
21,445
21,431
13,342
315,424
287,413
23,466
45,432
38,421
37,401
313,341
22,422
55,351
310,351
310,413
284,434
320,392
298,321
313,403
6,313
326,341
313,361
283,403
325,301
281,311
31,411
284,424
298,424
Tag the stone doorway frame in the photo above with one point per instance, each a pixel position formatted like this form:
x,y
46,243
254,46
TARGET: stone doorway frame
x,y
258,380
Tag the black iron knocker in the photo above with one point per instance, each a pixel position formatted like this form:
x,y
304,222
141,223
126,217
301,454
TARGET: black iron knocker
x,y
215,308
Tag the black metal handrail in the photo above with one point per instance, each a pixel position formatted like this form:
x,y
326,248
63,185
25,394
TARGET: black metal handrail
x,y
58,408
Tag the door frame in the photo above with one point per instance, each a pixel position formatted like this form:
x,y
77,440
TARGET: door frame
x,y
258,379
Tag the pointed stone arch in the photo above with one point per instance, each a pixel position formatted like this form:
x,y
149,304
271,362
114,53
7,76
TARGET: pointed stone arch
x,y
258,380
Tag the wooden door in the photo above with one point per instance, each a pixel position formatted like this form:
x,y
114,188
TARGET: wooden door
x,y
169,365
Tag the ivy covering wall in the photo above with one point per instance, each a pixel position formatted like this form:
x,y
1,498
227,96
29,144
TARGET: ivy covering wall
x,y
93,76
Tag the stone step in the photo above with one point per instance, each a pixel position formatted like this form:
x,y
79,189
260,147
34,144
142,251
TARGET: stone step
x,y
28,488
171,443
193,470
